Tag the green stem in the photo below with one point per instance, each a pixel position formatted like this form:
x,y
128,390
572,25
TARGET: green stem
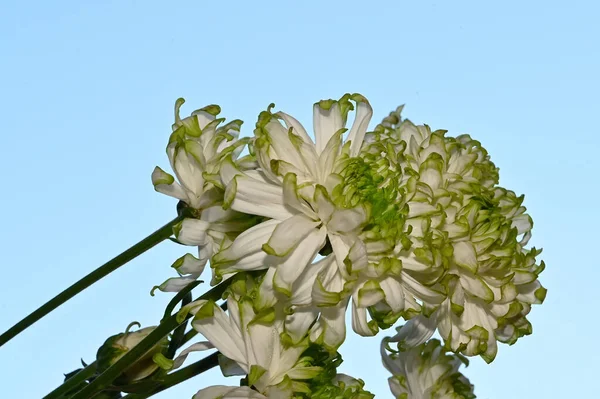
x,y
179,376
72,382
165,327
180,297
179,333
153,239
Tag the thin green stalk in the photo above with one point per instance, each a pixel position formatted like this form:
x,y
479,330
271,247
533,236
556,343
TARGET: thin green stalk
x,y
165,327
72,382
153,239
179,333
179,376
180,297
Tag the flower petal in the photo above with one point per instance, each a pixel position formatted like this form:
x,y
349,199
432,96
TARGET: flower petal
x,y
288,234
327,120
293,265
364,112
191,232
226,392
258,198
197,347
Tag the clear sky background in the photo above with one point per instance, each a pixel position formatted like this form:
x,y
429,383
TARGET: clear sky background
x,y
86,96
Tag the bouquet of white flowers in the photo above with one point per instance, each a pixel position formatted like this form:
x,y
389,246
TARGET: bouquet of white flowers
x,y
405,225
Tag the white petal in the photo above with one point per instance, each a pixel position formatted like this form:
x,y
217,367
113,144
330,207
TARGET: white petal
x,y
229,367
474,285
228,171
347,220
288,234
189,264
292,122
192,232
465,256
225,392
341,248
259,198
292,197
308,149
415,332
220,332
523,223
359,322
188,168
298,323
324,206
166,184
176,284
394,293
197,347
331,325
298,260
248,243
266,294
364,112
325,124
281,143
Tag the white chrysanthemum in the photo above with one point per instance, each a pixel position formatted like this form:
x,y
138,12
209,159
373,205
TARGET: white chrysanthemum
x,y
426,371
253,343
260,347
196,149
295,188
469,230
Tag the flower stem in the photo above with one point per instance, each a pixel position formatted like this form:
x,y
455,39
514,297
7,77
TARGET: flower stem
x,y
153,239
179,376
178,334
165,327
72,382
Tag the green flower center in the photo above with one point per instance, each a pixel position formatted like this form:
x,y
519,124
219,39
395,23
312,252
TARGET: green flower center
x,y
373,182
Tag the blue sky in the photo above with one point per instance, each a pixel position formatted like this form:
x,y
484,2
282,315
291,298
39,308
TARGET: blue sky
x,y
86,97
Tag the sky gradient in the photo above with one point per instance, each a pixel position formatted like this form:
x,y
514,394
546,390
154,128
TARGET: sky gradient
x,y
86,104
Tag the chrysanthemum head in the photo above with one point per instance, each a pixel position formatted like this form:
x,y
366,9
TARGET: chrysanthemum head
x,y
426,371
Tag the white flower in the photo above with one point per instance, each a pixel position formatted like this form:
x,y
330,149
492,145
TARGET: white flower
x,y
294,188
253,341
466,233
196,149
425,371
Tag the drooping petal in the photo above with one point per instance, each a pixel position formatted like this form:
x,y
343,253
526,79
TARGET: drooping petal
x,y
295,263
288,234
189,264
257,198
197,347
415,332
226,392
175,284
248,243
218,330
191,232
166,184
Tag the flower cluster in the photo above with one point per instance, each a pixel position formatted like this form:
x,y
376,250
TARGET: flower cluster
x,y
426,371
395,222
255,345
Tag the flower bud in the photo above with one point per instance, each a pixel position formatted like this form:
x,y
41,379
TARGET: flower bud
x,y
115,347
